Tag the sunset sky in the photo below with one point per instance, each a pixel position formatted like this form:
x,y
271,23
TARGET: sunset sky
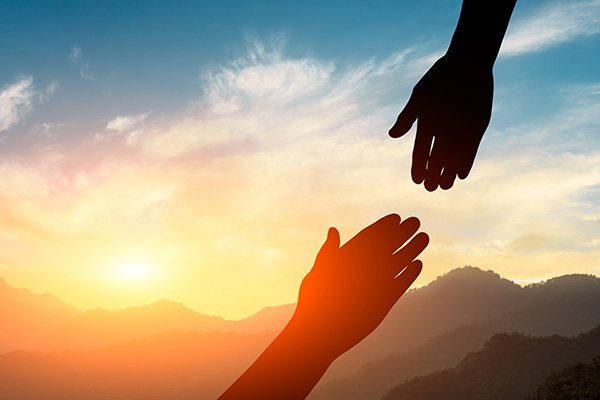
x,y
199,151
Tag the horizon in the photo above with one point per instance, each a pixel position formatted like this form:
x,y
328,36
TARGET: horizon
x,y
200,152
413,288
160,351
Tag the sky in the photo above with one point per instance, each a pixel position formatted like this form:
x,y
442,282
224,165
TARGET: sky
x,y
199,151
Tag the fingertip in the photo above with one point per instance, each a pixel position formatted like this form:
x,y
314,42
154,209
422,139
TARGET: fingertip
x,y
411,223
422,236
417,267
333,234
408,276
448,177
397,130
417,175
393,217
405,120
463,174
447,183
466,169
431,185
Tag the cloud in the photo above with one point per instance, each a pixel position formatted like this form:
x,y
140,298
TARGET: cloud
x,y
51,129
266,99
76,53
85,69
271,149
248,178
550,26
47,93
16,101
51,88
126,122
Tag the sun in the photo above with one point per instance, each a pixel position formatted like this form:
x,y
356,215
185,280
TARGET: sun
x,y
133,270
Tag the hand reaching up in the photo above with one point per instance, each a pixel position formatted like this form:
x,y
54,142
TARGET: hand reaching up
x,y
351,289
345,296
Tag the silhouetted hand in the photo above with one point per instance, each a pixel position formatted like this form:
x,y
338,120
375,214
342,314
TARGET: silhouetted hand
x,y
453,105
345,296
351,289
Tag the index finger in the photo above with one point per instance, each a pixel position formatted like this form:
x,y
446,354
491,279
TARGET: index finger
x,y
420,155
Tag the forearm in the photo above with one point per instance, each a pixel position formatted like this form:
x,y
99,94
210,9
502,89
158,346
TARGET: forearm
x,y
481,28
288,369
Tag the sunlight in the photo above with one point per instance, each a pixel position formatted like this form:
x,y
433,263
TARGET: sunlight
x,y
133,270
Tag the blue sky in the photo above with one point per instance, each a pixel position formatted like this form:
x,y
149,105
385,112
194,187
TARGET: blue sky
x,y
149,53
135,56
170,134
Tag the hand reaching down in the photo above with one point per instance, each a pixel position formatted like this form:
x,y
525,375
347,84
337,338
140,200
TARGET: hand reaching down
x,y
452,104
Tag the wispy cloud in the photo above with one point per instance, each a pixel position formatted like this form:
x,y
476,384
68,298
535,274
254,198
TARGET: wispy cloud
x,y
85,69
126,122
279,148
552,25
16,101
48,92
267,99
76,53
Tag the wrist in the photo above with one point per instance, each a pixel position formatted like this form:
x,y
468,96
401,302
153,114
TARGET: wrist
x,y
312,342
467,60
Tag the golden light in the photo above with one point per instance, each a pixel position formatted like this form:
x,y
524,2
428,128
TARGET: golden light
x,y
133,271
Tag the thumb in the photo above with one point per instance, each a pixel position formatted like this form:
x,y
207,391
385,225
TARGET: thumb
x,y
333,239
331,244
405,120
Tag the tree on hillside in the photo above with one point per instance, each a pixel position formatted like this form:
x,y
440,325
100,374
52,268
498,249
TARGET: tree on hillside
x,y
580,381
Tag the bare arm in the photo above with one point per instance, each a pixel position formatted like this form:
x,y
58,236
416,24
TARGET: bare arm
x,y
480,30
453,100
345,296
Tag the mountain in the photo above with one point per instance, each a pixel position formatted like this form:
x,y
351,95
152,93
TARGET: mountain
x,y
465,307
510,366
27,317
43,322
99,327
269,318
178,365
463,296
578,381
430,329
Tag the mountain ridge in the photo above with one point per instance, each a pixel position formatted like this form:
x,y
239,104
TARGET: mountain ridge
x,y
462,310
509,366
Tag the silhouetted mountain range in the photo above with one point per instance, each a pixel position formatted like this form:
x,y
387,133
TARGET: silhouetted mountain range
x,y
170,365
510,366
434,327
26,317
43,322
182,352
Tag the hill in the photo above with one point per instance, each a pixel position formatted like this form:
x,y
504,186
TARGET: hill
x,y
578,381
431,328
27,317
564,305
178,365
43,322
99,327
510,366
